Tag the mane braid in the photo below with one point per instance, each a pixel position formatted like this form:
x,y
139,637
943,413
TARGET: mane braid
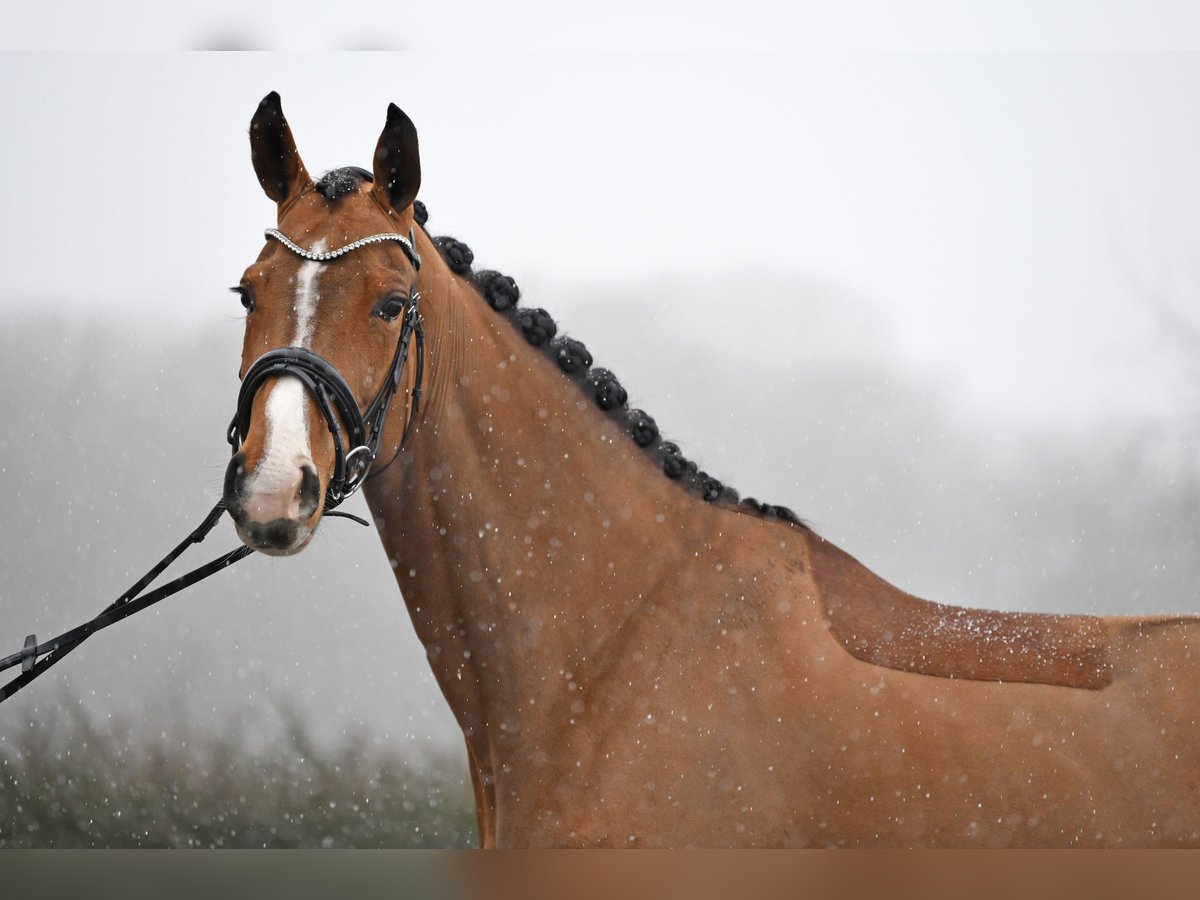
x,y
575,362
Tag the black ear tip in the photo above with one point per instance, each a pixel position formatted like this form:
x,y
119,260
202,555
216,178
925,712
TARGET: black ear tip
x,y
270,105
397,117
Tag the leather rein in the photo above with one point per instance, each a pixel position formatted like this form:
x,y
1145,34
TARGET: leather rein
x,y
348,424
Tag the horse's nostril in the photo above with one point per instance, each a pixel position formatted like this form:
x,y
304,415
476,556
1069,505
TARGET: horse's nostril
x,y
309,492
235,480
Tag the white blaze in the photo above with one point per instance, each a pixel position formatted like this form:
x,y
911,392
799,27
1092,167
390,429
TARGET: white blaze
x,y
278,477
307,297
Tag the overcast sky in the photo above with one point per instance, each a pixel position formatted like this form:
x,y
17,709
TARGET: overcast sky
x,y
999,220
617,24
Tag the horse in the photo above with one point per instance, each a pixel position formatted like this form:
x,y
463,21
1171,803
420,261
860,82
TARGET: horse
x,y
636,656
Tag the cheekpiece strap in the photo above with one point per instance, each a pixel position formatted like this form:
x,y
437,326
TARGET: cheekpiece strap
x,y
405,242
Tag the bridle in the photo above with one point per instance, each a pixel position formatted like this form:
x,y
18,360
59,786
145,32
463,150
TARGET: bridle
x,y
356,434
363,432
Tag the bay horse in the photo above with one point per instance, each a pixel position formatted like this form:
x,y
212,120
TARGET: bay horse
x,y
636,656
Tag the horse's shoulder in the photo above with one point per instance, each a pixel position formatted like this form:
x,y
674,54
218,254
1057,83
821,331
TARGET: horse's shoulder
x,y
880,624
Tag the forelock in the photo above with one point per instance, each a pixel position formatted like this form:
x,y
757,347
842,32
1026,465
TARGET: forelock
x,y
338,183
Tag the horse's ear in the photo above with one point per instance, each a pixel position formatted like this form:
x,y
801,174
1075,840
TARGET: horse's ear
x,y
397,160
277,162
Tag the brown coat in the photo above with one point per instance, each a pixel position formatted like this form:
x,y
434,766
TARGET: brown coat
x,y
632,666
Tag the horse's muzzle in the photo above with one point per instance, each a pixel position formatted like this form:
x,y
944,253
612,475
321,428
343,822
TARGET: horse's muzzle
x,y
276,523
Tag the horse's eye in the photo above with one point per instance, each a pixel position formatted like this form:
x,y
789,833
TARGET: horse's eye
x,y
247,297
390,307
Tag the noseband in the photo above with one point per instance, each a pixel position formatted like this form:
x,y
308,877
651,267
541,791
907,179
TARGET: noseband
x,y
356,437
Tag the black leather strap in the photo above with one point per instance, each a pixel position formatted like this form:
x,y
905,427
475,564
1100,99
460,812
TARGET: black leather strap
x,y
35,658
357,448
329,390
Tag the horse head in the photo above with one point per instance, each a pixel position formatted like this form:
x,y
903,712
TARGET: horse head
x,y
331,306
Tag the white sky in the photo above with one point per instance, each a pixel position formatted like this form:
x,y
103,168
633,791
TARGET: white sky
x,y
1002,219
524,25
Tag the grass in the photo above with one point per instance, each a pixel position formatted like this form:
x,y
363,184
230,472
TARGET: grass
x,y
72,784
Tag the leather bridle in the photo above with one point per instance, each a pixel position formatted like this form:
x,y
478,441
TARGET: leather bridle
x,y
356,434
362,432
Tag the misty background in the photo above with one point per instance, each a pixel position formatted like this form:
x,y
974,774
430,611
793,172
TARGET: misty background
x,y
943,306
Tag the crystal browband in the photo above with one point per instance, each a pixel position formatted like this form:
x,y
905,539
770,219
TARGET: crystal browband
x,y
405,242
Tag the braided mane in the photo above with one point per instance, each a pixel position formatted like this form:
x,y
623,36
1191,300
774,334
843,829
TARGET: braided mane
x,y
573,359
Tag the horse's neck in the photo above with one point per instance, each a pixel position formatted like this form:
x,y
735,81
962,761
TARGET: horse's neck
x,y
523,525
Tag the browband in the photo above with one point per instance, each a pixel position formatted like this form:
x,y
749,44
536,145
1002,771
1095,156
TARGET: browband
x,y
405,242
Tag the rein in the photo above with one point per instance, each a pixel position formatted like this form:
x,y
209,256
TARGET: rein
x,y
53,650
362,431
